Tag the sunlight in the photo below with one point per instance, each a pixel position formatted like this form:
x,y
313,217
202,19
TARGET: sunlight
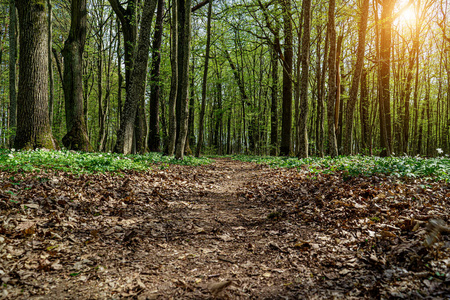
x,y
408,16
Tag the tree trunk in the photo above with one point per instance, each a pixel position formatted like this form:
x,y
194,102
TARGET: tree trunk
x,y
364,111
384,75
33,127
204,83
338,104
348,140
184,49
174,78
303,116
153,119
76,137
12,71
274,102
140,126
286,123
332,89
128,20
321,97
138,78
50,69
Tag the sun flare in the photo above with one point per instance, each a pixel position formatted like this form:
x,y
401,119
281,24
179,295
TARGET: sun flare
x,y
408,15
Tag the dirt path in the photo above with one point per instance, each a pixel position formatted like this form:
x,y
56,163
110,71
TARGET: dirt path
x,y
229,230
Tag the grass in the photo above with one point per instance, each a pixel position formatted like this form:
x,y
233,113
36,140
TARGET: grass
x,y
78,162
413,167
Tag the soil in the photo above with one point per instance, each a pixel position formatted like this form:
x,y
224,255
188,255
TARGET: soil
x,y
229,230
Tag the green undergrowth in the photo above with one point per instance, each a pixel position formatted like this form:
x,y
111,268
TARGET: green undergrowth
x,y
79,162
413,167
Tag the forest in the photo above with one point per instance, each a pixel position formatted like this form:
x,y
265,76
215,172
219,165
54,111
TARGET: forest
x,y
278,77
218,149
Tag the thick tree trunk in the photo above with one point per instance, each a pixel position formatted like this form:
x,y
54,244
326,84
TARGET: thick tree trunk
x,y
184,49
155,81
140,126
33,127
204,82
12,71
286,122
128,20
303,116
138,78
348,140
76,137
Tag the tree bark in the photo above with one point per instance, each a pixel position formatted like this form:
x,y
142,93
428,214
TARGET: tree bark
x,y
274,102
204,83
184,50
12,71
76,137
348,139
321,97
33,127
303,116
364,111
286,122
50,69
138,79
332,89
384,75
174,78
154,139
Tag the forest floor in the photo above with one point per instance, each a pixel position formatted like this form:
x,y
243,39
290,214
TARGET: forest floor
x,y
228,230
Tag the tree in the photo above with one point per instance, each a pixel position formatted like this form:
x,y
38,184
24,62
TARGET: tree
x,y
332,88
184,50
76,137
303,113
33,127
174,78
286,122
50,69
137,88
129,20
155,82
12,70
204,82
384,75
356,77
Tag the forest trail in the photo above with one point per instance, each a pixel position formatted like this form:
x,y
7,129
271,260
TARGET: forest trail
x,y
228,230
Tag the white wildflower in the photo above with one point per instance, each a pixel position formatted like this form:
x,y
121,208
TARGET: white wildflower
x,y
11,156
439,150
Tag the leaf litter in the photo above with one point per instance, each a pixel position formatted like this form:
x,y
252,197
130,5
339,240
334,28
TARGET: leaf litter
x,y
229,230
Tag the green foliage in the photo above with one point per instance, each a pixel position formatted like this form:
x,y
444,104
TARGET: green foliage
x,y
405,166
78,162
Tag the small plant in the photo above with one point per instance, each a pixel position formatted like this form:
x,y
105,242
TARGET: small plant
x,y
375,219
78,162
359,165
